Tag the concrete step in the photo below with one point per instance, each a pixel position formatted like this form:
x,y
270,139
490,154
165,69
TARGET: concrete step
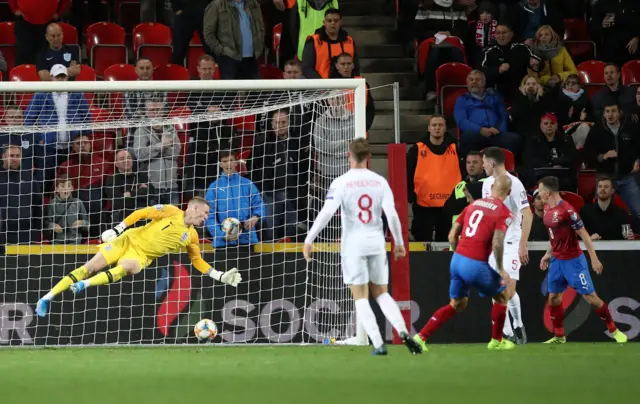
x,y
380,79
380,165
405,106
376,65
406,93
386,136
373,36
351,21
380,51
363,8
416,122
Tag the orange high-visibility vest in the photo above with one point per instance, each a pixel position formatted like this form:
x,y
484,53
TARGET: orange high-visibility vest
x,y
290,3
436,176
325,52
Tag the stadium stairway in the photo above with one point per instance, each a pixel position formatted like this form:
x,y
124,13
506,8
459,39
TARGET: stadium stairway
x,y
371,23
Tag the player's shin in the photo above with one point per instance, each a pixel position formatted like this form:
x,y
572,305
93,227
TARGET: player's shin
x,y
368,319
515,310
441,316
106,277
391,311
74,276
605,315
557,319
498,318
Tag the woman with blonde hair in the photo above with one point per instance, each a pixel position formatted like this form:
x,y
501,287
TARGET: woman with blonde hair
x,y
528,106
558,63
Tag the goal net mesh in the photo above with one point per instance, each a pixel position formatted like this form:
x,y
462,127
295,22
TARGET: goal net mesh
x,y
263,157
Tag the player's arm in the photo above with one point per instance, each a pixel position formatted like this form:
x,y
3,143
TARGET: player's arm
x,y
331,205
497,245
149,213
230,277
389,209
456,229
578,227
527,221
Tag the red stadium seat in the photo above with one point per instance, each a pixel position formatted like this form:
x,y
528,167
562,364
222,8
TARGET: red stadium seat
x,y
23,73
120,73
182,130
592,76
8,44
631,73
275,43
270,72
578,41
106,46
451,73
194,52
70,36
153,40
448,97
170,72
574,199
425,46
586,183
127,13
87,74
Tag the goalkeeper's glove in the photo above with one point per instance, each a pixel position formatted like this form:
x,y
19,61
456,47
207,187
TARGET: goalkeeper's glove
x,y
112,234
231,277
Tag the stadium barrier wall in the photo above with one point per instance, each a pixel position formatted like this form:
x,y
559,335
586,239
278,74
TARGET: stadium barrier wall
x,y
166,299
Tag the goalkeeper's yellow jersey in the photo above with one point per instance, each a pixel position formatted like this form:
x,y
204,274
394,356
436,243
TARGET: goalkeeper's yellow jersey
x,y
164,234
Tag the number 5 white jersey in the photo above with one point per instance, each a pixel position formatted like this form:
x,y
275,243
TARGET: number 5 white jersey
x,y
516,201
362,196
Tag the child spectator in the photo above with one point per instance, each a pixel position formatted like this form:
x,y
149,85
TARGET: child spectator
x,y
65,215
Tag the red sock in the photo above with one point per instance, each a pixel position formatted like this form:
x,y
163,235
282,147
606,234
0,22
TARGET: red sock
x,y
498,317
440,317
605,316
557,319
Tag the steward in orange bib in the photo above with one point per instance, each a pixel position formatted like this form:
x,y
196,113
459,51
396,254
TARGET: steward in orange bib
x,y
325,45
433,170
343,69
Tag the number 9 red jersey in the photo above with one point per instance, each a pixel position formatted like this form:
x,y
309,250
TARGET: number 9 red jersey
x,y
479,221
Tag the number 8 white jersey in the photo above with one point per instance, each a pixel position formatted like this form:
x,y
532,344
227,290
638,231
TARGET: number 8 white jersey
x,y
362,196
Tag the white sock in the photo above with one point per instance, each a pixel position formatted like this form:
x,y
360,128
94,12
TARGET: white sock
x,y
515,310
48,296
507,330
368,319
392,312
361,333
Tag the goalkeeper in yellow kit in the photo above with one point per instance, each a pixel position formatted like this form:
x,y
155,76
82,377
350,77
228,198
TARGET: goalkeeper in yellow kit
x,y
169,230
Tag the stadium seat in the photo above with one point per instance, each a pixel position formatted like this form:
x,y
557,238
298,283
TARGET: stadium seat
x,y
194,52
153,40
270,72
574,199
586,183
592,76
275,42
578,41
451,73
170,72
86,74
8,44
182,130
120,72
106,46
70,36
631,73
23,73
127,13
425,46
448,97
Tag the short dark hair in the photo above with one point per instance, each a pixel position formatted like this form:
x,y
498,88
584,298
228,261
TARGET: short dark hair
x,y
494,153
143,58
207,57
333,11
611,102
359,149
604,178
612,64
474,153
343,55
436,116
63,179
551,183
226,153
294,62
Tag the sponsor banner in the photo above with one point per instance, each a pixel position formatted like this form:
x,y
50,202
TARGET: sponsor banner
x,y
279,301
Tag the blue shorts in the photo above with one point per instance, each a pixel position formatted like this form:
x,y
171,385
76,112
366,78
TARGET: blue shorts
x,y
573,272
467,272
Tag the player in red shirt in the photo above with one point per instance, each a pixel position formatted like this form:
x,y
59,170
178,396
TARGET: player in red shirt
x,y
566,263
481,226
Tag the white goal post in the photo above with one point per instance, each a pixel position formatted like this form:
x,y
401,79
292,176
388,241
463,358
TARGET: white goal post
x,y
49,193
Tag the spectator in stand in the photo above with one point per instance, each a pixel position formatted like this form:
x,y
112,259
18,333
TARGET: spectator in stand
x,y
433,170
614,90
635,116
344,70
135,101
538,230
20,199
551,152
558,65
603,219
615,24
52,108
233,196
234,31
3,64
482,118
615,140
88,171
506,63
155,11
484,34
128,189
293,69
157,149
275,171
467,190
573,110
32,17
528,106
329,41
187,20
13,117
529,15
56,53
65,216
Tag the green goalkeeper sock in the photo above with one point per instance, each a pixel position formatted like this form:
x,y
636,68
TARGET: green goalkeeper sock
x,y
75,276
110,276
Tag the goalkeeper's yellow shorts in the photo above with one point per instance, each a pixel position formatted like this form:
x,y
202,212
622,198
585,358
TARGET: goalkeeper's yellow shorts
x,y
123,249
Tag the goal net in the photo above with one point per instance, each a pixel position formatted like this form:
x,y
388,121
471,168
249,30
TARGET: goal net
x,y
78,157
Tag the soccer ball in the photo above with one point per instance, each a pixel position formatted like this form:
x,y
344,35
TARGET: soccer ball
x,y
231,226
205,330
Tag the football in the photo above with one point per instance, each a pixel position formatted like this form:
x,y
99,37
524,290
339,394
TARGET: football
x,y
231,226
205,330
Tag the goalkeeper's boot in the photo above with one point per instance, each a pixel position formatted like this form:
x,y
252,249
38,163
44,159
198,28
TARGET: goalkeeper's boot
x,y
380,351
503,345
77,287
419,341
410,343
42,307
619,336
556,340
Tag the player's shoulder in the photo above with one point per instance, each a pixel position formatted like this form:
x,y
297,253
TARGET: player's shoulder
x,y
167,208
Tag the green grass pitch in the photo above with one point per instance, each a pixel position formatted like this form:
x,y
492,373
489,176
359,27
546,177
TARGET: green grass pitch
x,y
535,373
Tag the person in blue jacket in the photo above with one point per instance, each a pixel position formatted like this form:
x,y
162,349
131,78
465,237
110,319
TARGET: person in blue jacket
x,y
232,195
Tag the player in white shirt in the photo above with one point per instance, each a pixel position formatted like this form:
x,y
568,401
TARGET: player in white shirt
x,y
362,196
515,249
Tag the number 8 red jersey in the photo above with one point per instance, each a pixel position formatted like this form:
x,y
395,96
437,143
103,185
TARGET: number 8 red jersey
x,y
479,221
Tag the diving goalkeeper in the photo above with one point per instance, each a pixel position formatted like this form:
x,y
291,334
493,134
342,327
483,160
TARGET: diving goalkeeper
x,y
169,230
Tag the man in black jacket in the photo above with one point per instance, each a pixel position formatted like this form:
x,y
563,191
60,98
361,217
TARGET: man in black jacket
x,y
530,15
467,190
615,144
615,23
551,152
604,220
508,62
538,230
614,90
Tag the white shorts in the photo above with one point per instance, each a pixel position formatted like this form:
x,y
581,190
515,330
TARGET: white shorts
x,y
510,260
360,270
